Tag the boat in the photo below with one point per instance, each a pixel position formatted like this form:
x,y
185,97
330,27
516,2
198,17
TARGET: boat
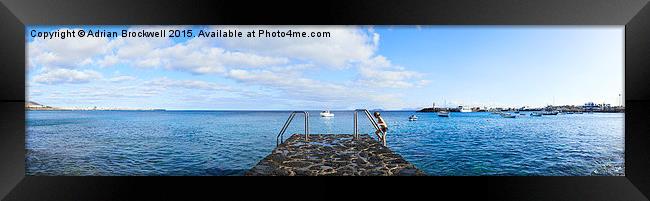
x,y
443,114
464,109
507,115
569,112
536,114
413,118
577,113
326,113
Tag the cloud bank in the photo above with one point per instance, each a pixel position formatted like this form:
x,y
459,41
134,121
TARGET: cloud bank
x,y
286,70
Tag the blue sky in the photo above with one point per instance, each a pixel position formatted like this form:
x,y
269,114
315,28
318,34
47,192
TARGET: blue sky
x,y
389,67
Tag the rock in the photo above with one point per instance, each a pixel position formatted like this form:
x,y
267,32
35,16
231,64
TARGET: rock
x,y
333,154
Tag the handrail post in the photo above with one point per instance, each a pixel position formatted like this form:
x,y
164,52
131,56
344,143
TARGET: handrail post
x,y
306,126
356,127
280,136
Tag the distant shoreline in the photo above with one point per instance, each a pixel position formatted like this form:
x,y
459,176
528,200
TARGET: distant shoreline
x,y
33,106
182,110
560,108
66,109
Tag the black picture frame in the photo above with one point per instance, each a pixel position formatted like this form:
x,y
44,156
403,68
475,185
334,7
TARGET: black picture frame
x,y
16,14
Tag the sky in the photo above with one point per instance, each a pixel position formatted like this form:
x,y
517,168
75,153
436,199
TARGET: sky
x,y
387,67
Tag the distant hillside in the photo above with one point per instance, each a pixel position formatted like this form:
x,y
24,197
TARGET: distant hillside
x,y
31,105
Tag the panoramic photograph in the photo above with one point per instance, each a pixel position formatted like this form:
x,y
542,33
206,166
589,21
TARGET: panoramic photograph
x,y
325,100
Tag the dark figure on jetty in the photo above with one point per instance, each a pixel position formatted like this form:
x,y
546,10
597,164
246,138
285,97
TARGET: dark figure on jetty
x,y
381,123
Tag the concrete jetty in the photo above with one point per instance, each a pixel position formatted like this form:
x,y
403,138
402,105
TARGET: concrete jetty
x,y
333,154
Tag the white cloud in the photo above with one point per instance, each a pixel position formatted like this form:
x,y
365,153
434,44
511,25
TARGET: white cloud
x,y
108,60
187,87
188,84
65,53
270,64
346,44
61,75
103,96
380,71
348,47
122,78
195,55
135,47
389,78
300,92
295,87
290,83
198,57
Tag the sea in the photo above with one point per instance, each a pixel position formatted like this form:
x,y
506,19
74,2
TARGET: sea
x,y
207,143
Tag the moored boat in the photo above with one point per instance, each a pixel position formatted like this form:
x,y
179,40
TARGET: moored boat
x,y
413,118
443,114
507,115
326,113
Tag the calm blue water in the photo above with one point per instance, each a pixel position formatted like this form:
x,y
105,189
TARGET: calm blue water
x,y
230,142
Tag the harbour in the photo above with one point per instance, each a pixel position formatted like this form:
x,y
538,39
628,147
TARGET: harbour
x,y
587,107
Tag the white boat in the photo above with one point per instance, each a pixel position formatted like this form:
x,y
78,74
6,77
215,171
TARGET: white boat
x,y
464,109
326,113
443,114
536,114
413,118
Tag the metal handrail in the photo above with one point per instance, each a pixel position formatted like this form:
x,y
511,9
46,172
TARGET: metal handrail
x,y
280,136
381,137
